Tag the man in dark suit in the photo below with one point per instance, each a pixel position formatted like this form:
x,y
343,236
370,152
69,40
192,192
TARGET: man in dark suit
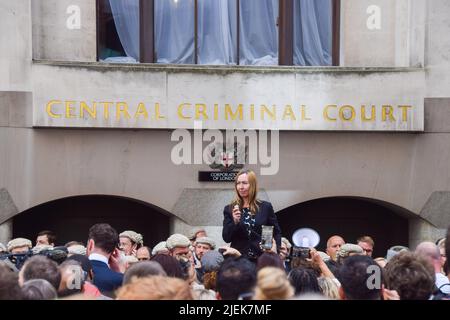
x,y
104,255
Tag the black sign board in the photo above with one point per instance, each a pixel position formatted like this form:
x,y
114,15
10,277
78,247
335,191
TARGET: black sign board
x,y
217,176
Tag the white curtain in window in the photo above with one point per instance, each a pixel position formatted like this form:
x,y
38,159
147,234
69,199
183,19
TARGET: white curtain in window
x,y
313,32
258,32
217,32
174,31
126,19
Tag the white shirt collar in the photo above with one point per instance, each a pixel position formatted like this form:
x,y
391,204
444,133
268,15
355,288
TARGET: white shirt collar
x,y
441,280
98,257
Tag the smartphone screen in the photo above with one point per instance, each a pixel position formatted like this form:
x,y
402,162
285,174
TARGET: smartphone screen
x,y
266,237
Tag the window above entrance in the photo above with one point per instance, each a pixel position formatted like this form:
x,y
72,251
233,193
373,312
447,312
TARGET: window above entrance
x,y
222,32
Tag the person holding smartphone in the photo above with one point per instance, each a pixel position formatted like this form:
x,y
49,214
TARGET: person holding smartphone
x,y
245,217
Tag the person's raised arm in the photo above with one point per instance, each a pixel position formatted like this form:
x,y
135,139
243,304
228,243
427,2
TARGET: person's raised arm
x,y
318,261
229,251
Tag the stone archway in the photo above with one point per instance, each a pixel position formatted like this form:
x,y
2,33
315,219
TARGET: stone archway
x,y
350,217
70,218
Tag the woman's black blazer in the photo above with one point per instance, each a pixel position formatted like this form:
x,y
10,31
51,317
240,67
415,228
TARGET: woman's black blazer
x,y
237,235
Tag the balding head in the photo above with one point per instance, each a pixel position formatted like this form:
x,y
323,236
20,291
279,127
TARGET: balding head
x,y
333,245
430,252
143,253
334,239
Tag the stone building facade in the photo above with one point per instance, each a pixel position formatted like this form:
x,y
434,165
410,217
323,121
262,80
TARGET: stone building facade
x,y
55,154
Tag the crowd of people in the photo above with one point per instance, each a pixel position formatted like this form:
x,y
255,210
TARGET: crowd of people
x,y
119,266
114,265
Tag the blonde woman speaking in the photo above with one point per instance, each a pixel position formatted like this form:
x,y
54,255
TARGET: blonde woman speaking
x,y
245,216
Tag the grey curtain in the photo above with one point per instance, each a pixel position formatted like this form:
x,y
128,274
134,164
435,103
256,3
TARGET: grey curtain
x,y
217,33
258,32
217,39
174,31
313,32
126,19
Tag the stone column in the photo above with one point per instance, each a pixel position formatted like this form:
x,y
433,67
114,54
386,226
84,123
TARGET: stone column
x,y
7,210
6,232
421,230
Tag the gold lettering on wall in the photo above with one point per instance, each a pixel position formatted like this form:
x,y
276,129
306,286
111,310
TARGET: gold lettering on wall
x,y
70,109
405,110
326,113
387,111
122,109
84,107
345,111
106,107
233,115
372,114
180,111
252,112
288,112
158,114
200,111
141,111
304,116
369,115
50,104
216,111
270,113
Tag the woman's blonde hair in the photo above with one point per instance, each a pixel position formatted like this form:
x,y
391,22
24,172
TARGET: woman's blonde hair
x,y
272,284
210,280
329,288
252,192
155,288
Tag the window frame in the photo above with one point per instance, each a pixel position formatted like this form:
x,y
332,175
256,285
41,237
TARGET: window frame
x,y
285,32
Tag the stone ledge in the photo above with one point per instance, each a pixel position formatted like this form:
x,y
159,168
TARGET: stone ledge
x,y
205,69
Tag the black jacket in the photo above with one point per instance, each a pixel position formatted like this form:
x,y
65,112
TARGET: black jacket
x,y
237,234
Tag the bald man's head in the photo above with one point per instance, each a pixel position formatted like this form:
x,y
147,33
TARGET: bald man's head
x,y
431,253
428,250
333,246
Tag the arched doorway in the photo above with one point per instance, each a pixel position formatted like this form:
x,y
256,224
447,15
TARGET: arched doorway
x,y
71,218
350,217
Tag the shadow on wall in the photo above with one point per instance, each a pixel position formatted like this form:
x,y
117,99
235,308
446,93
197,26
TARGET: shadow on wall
x,y
71,218
351,218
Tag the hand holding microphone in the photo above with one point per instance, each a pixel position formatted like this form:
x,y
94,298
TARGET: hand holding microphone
x,y
236,214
